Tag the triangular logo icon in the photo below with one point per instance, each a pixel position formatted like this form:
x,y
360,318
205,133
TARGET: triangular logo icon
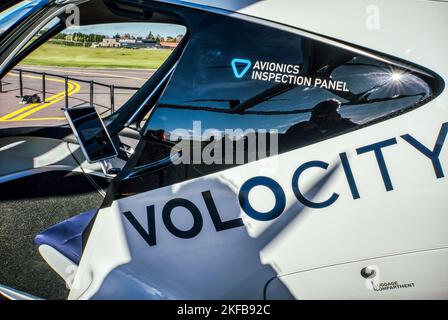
x,y
237,64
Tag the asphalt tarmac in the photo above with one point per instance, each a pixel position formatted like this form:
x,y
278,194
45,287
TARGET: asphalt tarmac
x,y
28,206
48,113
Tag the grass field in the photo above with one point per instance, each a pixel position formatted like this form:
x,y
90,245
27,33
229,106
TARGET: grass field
x,y
65,56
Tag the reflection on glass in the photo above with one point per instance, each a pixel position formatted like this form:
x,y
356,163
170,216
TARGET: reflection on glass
x,y
205,89
17,12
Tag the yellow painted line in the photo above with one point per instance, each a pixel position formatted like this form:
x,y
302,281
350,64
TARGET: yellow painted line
x,y
73,88
90,73
31,106
12,114
36,119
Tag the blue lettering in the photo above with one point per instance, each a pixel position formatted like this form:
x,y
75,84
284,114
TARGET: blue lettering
x,y
150,236
435,153
280,198
300,196
376,148
349,175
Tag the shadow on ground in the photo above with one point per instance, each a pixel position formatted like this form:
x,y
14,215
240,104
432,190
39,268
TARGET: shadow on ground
x,y
22,218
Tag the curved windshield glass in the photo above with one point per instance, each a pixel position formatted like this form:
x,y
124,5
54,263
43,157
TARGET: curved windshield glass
x,y
19,11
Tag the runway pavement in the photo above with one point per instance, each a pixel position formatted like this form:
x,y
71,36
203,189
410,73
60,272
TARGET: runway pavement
x,y
48,113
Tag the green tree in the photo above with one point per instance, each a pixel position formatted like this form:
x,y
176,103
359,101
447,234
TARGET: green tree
x,y
150,36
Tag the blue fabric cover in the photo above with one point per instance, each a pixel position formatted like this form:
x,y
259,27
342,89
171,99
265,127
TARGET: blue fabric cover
x,y
66,237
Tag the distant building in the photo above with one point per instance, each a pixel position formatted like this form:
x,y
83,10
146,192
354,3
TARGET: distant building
x,y
168,45
110,43
171,44
138,43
